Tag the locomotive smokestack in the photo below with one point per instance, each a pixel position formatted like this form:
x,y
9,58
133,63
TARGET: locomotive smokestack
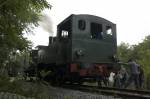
x,y
50,40
46,23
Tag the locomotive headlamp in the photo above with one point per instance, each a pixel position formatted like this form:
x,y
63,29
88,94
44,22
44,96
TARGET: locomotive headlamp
x,y
79,52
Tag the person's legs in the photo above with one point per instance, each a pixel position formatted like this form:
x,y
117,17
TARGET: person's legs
x,y
117,82
129,81
123,82
136,81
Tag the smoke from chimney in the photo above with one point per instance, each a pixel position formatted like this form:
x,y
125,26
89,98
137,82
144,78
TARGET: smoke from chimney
x,y
46,23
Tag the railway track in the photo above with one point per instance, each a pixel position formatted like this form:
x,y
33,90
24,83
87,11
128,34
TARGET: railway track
x,y
123,93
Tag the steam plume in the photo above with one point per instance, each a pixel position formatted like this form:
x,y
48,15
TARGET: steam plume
x,y
46,23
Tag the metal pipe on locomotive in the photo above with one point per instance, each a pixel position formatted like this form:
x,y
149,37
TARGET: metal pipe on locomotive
x,y
83,50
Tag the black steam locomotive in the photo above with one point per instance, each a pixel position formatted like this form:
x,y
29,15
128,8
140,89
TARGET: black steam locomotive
x,y
83,50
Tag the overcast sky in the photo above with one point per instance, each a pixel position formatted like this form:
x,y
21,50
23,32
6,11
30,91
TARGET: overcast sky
x,y
132,17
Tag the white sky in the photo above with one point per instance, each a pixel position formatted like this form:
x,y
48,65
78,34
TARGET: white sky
x,y
132,17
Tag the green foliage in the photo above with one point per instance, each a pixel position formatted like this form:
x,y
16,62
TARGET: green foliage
x,y
124,52
23,88
16,18
140,52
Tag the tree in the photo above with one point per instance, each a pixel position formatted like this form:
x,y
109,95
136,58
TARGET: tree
x,y
142,51
124,51
139,52
16,18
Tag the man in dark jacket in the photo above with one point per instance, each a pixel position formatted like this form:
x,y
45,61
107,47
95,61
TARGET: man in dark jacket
x,y
134,68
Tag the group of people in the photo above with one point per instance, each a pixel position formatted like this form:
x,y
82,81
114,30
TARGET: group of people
x,y
123,79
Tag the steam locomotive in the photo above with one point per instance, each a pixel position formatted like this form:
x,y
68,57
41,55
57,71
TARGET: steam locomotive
x,y
84,50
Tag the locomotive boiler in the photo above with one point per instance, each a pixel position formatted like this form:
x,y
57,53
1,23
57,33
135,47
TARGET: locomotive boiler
x,y
84,49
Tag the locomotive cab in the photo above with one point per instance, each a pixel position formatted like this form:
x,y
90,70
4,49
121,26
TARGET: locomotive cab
x,y
86,38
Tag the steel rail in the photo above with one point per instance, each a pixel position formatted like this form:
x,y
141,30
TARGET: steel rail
x,y
128,93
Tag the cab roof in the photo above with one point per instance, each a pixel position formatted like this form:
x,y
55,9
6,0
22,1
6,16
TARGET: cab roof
x,y
87,17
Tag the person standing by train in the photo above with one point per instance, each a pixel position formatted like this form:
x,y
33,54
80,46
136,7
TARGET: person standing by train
x,y
117,79
141,77
134,77
124,76
120,78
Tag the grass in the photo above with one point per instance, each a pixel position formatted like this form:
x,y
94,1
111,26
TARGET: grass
x,y
23,88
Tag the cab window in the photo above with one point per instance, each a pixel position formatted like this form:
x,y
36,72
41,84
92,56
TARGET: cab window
x,y
109,30
64,30
81,24
96,31
64,33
